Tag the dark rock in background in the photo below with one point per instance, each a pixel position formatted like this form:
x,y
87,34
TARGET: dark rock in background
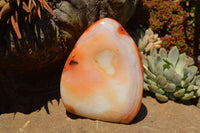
x,y
73,17
30,68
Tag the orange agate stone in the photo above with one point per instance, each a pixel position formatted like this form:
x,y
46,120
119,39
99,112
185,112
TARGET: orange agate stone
x,y
103,76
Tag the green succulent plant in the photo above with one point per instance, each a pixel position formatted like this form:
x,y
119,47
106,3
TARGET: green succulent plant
x,y
169,76
147,40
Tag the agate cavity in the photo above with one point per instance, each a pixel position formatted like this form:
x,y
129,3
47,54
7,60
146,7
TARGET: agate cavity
x,y
103,76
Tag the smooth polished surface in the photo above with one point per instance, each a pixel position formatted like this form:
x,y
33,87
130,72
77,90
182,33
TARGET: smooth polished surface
x,y
103,76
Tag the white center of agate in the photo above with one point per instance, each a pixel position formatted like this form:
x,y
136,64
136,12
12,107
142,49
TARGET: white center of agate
x,y
105,61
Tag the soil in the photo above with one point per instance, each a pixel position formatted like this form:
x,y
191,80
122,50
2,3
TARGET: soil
x,y
153,117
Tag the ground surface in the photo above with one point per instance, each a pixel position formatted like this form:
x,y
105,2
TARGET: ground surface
x,y
153,117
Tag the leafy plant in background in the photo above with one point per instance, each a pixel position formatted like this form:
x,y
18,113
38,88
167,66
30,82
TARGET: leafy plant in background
x,y
14,10
174,21
167,75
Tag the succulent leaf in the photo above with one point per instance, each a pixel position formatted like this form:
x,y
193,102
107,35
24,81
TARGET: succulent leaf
x,y
176,78
169,73
141,46
156,89
191,74
151,63
181,64
190,88
188,96
149,73
192,70
159,67
170,87
146,87
161,80
198,80
149,32
150,82
161,97
149,47
173,56
154,52
144,61
163,53
197,93
158,43
179,93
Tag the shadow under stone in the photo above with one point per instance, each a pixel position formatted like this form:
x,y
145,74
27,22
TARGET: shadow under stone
x,y
141,114
73,116
139,117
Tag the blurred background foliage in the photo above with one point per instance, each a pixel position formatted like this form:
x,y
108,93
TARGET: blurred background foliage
x,y
176,21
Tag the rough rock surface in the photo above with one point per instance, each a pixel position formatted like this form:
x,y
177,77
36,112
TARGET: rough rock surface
x,y
30,68
74,16
153,117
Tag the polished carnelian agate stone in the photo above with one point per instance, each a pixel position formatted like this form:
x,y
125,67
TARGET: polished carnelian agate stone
x,y
103,76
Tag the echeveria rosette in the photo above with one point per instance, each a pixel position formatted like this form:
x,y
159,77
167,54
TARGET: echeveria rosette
x,y
169,76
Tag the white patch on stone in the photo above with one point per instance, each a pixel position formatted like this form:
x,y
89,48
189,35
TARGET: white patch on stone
x,y
105,60
121,90
99,104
